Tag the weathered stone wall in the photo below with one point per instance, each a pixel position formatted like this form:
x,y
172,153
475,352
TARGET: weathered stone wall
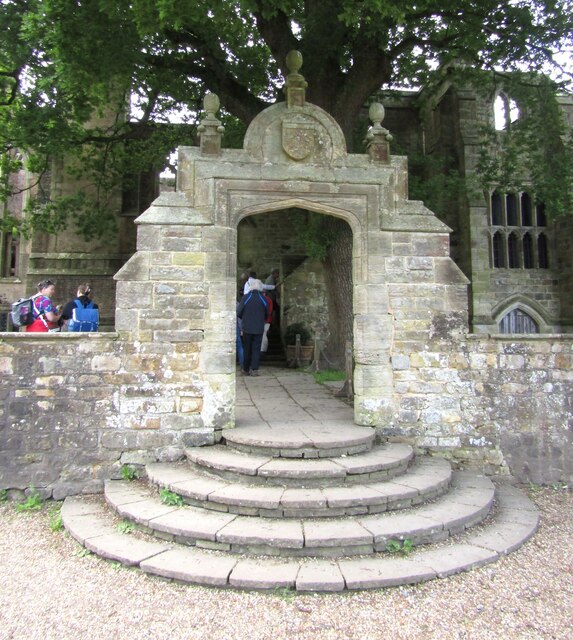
x,y
75,408
497,403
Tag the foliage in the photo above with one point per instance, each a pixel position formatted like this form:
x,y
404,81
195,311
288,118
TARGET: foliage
x,y
329,375
316,233
535,152
294,329
64,87
125,527
129,472
56,522
33,502
3,495
170,498
402,547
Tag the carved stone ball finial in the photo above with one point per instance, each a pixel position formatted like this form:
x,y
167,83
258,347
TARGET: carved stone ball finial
x,y
378,138
376,113
295,82
294,61
211,104
210,129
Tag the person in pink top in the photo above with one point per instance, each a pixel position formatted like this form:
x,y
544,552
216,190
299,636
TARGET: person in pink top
x,y
46,313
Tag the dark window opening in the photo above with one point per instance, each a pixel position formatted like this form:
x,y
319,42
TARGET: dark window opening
x,y
517,321
512,252
541,217
496,209
542,252
498,250
511,209
526,210
528,259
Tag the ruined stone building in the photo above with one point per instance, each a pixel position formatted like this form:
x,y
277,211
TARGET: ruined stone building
x,y
518,263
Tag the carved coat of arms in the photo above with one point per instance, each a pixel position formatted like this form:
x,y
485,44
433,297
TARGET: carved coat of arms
x,y
298,139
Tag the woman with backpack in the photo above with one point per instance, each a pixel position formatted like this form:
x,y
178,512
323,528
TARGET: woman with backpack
x,y
86,322
46,314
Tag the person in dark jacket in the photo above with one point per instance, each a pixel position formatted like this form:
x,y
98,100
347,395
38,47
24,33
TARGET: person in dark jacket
x,y
252,310
83,294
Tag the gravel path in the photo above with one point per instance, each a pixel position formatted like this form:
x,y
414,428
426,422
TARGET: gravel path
x,y
50,589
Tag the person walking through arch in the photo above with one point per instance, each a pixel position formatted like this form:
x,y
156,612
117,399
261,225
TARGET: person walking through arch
x,y
252,311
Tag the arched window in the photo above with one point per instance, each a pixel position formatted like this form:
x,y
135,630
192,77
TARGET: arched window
x,y
496,209
542,253
512,252
498,251
505,111
528,259
511,209
518,321
516,241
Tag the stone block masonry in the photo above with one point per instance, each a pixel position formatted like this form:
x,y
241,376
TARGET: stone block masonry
x,y
75,408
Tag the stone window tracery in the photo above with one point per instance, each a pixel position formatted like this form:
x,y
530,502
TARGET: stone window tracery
x,y
518,232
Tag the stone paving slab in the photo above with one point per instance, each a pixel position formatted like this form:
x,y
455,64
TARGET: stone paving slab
x,y
270,574
128,550
375,573
223,458
192,523
320,576
191,565
263,531
335,533
451,559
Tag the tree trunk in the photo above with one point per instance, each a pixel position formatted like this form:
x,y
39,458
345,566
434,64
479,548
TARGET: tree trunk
x,y
339,290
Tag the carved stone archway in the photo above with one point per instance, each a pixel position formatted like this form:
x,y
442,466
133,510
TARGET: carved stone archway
x,y
177,293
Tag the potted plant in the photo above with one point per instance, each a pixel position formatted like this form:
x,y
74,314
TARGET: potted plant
x,y
304,356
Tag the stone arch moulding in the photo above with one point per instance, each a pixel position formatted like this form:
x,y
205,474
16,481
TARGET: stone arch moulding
x,y
525,304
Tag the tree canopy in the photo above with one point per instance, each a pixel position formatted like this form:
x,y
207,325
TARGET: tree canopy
x,y
64,64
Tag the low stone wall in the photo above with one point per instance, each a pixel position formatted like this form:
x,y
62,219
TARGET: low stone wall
x,y
75,408
499,403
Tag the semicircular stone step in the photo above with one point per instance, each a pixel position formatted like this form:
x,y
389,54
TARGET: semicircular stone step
x,y
89,522
381,462
428,478
300,440
467,504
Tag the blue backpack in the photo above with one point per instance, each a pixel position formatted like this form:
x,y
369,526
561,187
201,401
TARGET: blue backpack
x,y
84,318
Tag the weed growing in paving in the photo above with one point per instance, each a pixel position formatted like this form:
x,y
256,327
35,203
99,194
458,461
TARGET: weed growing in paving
x,y
4,495
125,526
129,472
170,498
404,548
55,518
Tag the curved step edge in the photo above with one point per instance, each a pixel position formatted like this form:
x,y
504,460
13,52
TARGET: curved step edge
x,y
86,522
465,506
426,480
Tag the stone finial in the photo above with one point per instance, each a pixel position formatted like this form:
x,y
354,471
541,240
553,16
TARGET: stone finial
x,y
378,138
295,82
210,129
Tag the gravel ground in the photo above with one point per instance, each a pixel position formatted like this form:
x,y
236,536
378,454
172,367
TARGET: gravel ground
x,y
50,589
